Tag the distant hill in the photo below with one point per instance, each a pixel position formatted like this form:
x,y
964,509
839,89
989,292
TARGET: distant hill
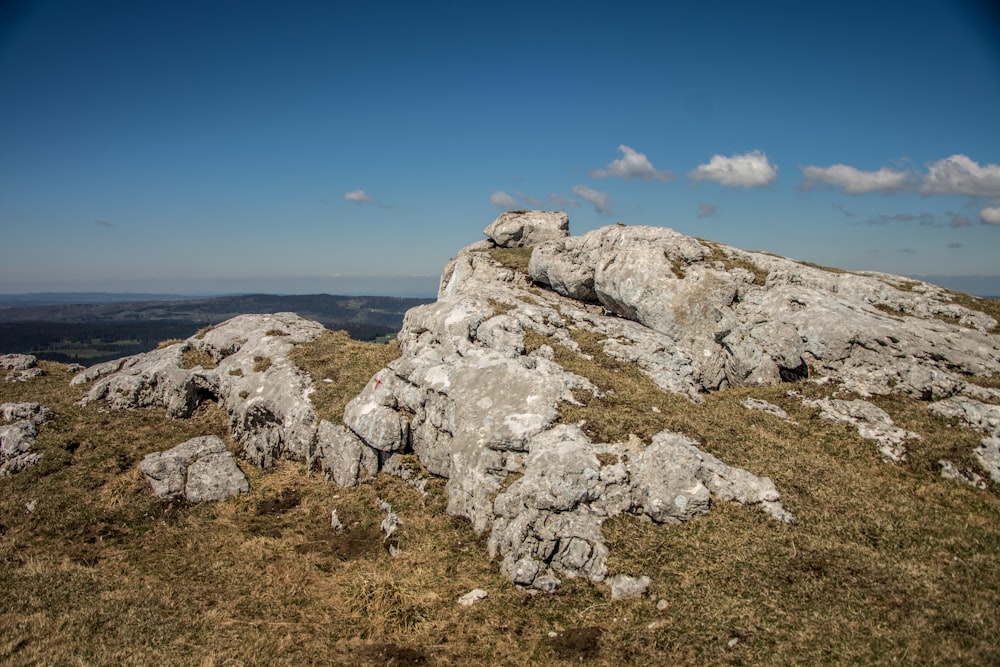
x,y
62,327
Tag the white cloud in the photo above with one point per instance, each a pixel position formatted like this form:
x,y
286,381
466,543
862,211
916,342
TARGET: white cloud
x,y
533,202
854,181
706,210
503,200
359,196
632,165
600,200
959,175
746,171
990,215
561,202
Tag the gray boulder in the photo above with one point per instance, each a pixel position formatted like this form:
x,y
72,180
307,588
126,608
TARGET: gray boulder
x,y
249,375
515,229
23,366
983,417
17,439
199,470
17,362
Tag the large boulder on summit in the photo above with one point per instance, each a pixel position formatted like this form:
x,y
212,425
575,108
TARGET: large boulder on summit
x,y
515,229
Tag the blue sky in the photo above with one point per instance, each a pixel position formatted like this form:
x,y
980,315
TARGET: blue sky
x,y
228,146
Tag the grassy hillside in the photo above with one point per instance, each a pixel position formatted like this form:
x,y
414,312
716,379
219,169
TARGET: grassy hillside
x,y
886,565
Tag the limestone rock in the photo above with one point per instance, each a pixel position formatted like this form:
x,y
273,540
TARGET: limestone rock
x,y
515,229
23,366
249,374
740,317
871,421
983,417
764,406
17,439
624,587
17,362
200,470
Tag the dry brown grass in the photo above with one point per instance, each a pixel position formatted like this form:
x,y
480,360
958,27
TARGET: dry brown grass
x,y
515,259
886,565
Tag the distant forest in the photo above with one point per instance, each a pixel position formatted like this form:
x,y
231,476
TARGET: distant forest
x,y
93,333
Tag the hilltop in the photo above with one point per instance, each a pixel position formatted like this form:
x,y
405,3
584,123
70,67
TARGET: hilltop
x,y
639,446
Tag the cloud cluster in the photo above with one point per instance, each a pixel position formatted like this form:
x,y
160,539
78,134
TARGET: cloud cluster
x,y
990,215
959,175
632,164
853,181
359,196
954,175
600,200
749,170
502,200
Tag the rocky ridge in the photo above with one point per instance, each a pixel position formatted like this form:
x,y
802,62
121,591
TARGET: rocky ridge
x,y
478,399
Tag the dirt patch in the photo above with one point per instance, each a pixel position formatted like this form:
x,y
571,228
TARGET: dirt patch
x,y
577,643
392,654
285,500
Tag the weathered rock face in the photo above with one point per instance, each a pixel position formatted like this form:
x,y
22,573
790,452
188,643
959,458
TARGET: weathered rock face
x,y
527,228
480,409
199,470
22,366
18,437
741,317
265,395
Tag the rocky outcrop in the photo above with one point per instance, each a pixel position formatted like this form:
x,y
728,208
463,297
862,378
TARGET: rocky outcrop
x,y
516,229
739,317
243,365
478,396
22,366
199,470
17,439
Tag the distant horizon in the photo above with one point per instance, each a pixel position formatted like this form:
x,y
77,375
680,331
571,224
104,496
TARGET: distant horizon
x,y
420,287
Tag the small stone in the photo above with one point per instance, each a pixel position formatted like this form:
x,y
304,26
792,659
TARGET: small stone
x,y
472,597
624,587
661,604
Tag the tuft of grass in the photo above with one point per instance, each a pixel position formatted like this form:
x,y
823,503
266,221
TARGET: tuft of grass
x,y
275,332
261,364
515,259
194,357
631,403
167,343
347,364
